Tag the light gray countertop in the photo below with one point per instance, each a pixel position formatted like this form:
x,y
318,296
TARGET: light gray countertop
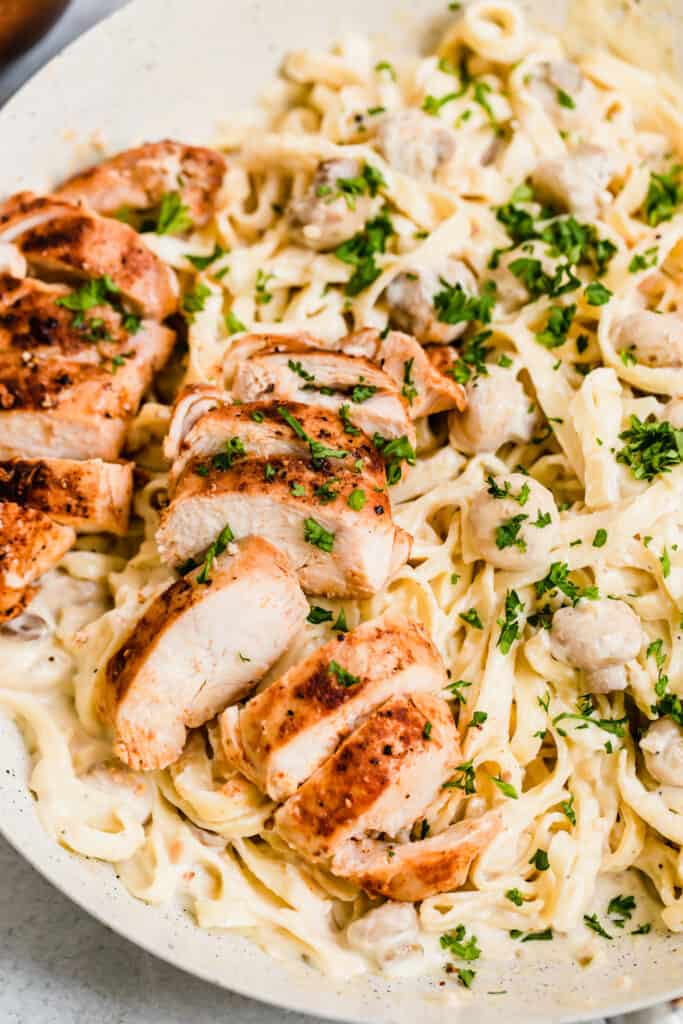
x,y
58,965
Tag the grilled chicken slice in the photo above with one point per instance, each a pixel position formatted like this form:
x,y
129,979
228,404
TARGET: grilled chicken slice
x,y
310,511
381,779
30,544
289,369
62,240
68,385
202,643
191,403
412,367
286,732
414,871
262,429
91,496
138,179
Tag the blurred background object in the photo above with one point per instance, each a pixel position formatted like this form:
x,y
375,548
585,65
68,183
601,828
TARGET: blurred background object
x,y
23,22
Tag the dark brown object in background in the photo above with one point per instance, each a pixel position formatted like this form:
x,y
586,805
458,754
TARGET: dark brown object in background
x,y
23,22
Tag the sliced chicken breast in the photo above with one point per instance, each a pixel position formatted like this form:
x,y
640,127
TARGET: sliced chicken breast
x,y
30,544
63,241
191,403
282,735
292,371
332,519
414,871
70,383
202,643
381,778
231,432
139,178
418,375
91,496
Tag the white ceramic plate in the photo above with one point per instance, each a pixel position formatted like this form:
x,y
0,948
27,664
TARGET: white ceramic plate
x,y
167,67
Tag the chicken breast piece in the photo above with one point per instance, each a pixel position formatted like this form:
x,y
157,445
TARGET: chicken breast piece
x,y
325,216
69,382
202,643
91,496
411,299
190,404
497,411
282,735
294,372
416,371
578,181
654,339
381,778
332,520
30,544
229,433
139,178
63,241
414,871
415,143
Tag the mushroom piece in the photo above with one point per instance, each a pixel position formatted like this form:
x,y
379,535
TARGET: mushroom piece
x,y
498,411
576,182
563,91
410,299
326,216
415,143
655,339
509,525
511,291
662,746
598,637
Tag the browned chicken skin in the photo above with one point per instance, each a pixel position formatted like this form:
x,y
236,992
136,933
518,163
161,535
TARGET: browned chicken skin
x,y
63,241
90,495
30,544
68,388
203,642
139,178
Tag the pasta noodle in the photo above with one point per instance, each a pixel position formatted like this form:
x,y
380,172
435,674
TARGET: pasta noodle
x,y
582,793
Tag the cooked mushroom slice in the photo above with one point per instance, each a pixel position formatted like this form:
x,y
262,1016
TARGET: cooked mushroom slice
x,y
329,213
418,372
415,143
654,339
286,732
366,396
414,871
513,522
91,496
61,240
331,516
70,381
30,544
662,746
411,298
380,779
264,430
202,643
138,179
498,411
563,90
576,182
598,637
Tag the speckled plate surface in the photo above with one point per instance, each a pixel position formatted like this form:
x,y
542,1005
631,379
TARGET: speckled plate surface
x,y
169,67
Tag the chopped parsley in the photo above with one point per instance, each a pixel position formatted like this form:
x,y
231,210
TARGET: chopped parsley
x,y
340,625
456,689
215,549
427,731
591,921
346,421
457,943
317,535
409,391
453,305
466,976
600,538
664,195
384,65
261,294
471,617
193,302
361,391
596,294
538,282
620,909
515,896
510,624
356,499
394,453
202,262
472,359
463,779
233,323
477,720
665,562
232,451
565,100
540,860
360,250
343,677
651,448
568,809
507,534
644,260
318,615
172,217
554,334
545,936
296,489
505,787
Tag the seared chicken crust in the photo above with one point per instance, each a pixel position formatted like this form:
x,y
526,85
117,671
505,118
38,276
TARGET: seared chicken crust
x,y
30,544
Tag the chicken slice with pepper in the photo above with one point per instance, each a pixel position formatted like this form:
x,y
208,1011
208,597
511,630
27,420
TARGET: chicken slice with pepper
x,y
30,544
204,642
140,179
92,496
286,732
